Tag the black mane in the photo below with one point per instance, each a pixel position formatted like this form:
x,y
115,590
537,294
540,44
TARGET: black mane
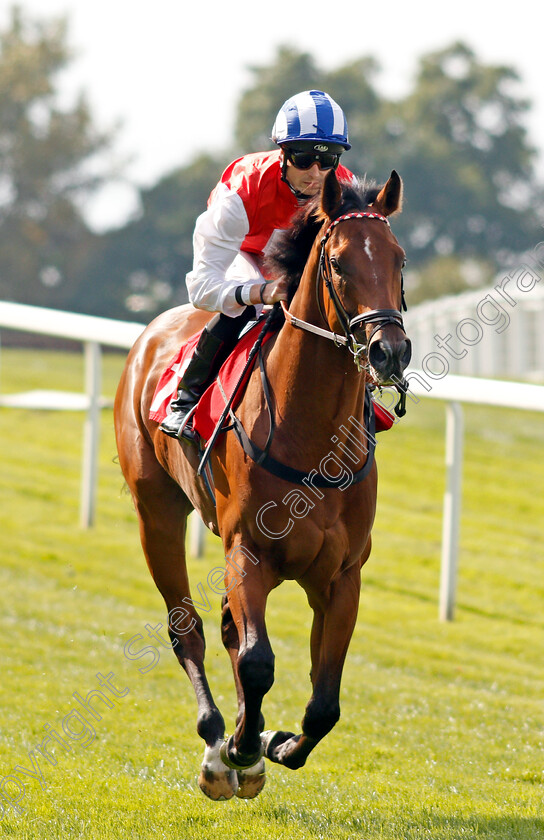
x,y
290,251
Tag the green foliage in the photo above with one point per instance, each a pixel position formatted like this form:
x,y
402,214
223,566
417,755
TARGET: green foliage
x,y
442,724
461,147
44,244
291,71
352,86
446,275
141,267
457,139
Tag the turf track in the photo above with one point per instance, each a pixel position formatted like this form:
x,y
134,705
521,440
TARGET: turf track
x,y
442,728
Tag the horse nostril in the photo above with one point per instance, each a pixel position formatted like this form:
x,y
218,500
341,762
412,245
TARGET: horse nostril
x,y
379,353
407,354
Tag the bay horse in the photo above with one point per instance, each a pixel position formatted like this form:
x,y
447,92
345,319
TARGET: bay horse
x,y
305,512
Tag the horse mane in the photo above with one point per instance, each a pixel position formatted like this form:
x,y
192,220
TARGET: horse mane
x,y
290,250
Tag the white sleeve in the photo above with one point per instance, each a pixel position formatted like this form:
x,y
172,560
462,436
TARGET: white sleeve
x,y
219,233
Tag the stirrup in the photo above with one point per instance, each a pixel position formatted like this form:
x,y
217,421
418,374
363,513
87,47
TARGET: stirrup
x,y
184,432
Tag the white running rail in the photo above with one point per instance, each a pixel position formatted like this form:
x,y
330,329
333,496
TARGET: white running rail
x,y
95,332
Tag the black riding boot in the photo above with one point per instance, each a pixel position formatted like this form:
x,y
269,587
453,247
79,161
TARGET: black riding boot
x,y
218,339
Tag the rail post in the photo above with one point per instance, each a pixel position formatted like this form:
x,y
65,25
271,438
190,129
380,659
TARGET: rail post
x,y
91,434
452,510
197,534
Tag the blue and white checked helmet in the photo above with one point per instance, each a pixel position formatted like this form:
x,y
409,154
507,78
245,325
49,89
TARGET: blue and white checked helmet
x,y
311,115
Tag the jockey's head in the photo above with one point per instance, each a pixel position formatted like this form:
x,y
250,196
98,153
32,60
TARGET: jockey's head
x,y
312,131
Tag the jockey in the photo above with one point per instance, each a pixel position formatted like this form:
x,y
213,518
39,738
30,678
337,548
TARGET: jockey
x,y
256,196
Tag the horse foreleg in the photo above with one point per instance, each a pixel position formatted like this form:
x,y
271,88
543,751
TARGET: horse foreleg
x,y
252,656
162,510
331,634
229,636
251,780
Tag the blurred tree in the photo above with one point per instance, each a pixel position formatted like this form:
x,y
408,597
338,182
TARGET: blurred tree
x,y
352,86
446,275
290,72
140,269
457,139
44,243
294,71
459,142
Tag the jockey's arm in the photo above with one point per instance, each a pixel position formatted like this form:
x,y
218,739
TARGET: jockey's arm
x,y
219,267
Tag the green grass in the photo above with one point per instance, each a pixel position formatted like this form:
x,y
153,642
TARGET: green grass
x,y
442,728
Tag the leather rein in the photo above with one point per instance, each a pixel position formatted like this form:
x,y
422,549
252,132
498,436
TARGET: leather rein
x,y
377,318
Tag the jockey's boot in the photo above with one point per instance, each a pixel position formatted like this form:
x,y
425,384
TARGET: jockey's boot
x,y
218,339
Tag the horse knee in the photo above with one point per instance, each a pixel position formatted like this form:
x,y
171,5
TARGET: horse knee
x,y
189,638
256,668
320,717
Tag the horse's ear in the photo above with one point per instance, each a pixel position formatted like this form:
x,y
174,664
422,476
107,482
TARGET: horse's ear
x,y
389,199
331,196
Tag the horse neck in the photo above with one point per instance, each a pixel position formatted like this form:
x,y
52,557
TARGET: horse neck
x,y
316,385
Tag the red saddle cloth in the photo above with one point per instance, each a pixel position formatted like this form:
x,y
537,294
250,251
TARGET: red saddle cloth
x,y
212,402
214,399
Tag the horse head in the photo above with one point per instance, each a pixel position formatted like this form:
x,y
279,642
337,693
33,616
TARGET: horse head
x,y
361,266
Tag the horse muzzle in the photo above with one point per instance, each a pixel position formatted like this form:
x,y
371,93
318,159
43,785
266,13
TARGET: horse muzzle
x,y
389,359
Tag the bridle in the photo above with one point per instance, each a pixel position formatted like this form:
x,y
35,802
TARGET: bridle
x,y
378,318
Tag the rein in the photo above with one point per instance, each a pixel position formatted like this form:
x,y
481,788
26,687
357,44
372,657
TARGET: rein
x,y
378,318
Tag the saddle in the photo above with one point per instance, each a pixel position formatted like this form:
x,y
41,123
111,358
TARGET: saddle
x,y
213,401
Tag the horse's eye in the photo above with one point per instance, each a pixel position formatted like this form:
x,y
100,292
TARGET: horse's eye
x,y
335,265
403,263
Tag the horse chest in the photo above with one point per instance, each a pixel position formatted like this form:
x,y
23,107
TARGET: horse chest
x,y
304,530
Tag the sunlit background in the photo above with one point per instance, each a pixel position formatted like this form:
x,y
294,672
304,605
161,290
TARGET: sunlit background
x,y
103,214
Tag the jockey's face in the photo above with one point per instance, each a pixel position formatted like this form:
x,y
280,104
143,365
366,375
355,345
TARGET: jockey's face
x,y
306,181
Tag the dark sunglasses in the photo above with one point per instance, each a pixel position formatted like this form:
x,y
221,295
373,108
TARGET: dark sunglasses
x,y
304,160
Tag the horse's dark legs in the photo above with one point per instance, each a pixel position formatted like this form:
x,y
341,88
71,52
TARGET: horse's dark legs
x,y
162,512
250,780
229,635
331,634
245,636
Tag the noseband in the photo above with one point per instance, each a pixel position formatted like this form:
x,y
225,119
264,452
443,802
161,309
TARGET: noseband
x,y
379,318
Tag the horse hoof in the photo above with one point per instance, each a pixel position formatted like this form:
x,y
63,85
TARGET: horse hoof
x,y
240,762
272,740
218,786
216,780
277,746
251,781
266,738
